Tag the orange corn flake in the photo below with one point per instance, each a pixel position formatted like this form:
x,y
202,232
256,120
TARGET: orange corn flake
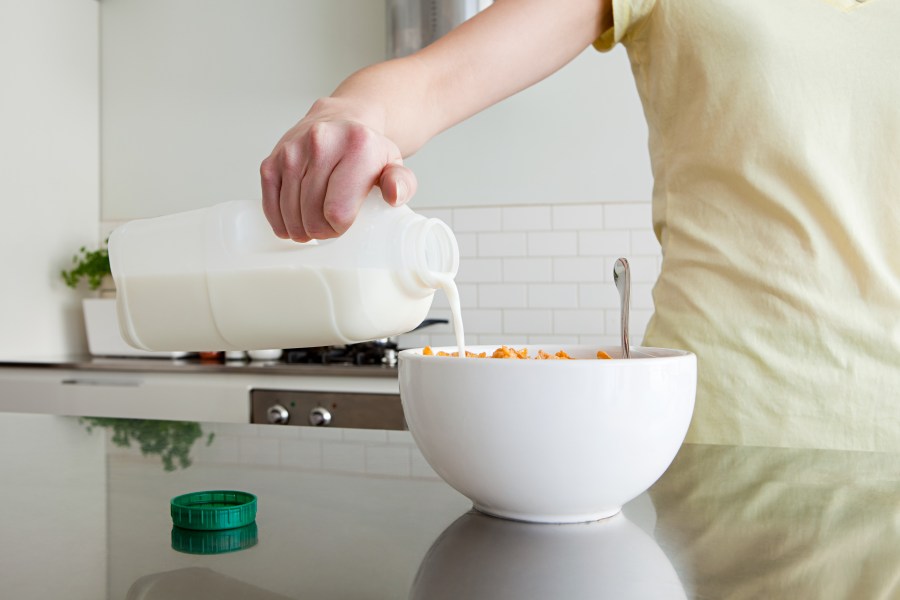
x,y
427,351
510,352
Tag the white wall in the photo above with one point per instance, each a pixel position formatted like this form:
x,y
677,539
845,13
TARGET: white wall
x,y
195,94
578,136
49,154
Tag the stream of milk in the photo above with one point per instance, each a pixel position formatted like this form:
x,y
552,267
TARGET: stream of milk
x,y
452,292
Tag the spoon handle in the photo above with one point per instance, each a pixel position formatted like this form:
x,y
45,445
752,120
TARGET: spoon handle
x,y
622,278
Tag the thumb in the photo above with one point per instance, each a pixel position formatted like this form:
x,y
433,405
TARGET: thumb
x,y
398,183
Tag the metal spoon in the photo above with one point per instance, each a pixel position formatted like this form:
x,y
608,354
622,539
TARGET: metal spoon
x,y
622,278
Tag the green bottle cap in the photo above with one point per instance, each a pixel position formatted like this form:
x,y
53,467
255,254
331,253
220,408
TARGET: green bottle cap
x,y
213,510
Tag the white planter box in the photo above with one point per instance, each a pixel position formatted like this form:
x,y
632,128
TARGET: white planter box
x,y
104,338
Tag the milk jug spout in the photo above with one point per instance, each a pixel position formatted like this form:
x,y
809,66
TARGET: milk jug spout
x,y
219,279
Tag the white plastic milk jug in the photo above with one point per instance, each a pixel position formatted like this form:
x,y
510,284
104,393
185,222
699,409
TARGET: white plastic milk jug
x,y
219,279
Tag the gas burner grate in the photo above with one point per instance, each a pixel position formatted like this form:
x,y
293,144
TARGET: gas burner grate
x,y
364,353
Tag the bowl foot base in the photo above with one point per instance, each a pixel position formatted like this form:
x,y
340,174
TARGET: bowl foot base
x,y
550,518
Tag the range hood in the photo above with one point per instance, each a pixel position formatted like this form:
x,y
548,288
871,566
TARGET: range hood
x,y
413,24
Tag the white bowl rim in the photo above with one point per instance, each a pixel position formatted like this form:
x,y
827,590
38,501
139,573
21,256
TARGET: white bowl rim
x,y
638,353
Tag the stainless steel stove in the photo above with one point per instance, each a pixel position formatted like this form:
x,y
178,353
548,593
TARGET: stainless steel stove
x,y
356,410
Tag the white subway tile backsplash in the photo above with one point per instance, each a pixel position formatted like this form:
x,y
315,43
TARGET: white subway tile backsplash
x,y
562,340
627,216
502,295
444,214
525,218
642,295
468,244
638,319
578,269
611,342
527,269
552,243
643,241
577,217
538,273
528,322
468,295
502,244
579,322
476,270
444,339
604,243
552,295
502,339
477,219
483,321
600,295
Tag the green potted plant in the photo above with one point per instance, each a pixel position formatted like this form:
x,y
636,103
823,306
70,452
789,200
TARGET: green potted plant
x,y
90,268
93,267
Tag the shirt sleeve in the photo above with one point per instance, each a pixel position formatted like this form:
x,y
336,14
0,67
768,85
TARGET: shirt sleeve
x,y
627,16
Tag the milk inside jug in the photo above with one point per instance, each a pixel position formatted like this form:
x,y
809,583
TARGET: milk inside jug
x,y
218,278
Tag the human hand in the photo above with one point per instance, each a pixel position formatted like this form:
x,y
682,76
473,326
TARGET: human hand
x,y
322,169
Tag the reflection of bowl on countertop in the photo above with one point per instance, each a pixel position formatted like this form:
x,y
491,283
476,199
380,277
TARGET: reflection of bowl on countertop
x,y
481,558
549,440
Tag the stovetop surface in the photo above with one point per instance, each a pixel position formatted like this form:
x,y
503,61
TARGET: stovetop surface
x,y
193,364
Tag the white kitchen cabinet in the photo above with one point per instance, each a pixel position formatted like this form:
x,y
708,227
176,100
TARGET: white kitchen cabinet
x,y
189,396
49,179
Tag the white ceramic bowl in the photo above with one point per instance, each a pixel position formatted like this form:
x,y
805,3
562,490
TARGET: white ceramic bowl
x,y
553,441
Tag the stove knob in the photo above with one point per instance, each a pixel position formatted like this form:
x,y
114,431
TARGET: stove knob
x,y
319,416
277,415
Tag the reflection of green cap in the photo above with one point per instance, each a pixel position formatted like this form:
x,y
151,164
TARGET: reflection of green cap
x,y
192,541
214,510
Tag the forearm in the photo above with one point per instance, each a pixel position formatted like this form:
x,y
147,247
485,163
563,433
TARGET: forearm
x,y
508,47
322,169
393,98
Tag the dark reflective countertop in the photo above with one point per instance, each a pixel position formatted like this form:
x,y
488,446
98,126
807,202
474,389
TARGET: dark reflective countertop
x,y
346,514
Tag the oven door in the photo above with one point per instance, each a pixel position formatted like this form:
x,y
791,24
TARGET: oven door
x,y
354,410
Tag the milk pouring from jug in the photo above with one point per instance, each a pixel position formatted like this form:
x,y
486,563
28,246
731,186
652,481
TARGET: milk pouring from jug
x,y
218,278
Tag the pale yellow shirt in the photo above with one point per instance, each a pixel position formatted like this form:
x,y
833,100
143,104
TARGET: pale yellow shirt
x,y
775,144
